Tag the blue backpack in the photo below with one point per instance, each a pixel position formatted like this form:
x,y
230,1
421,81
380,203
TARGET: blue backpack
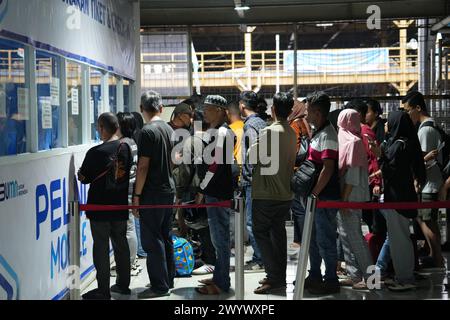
x,y
183,256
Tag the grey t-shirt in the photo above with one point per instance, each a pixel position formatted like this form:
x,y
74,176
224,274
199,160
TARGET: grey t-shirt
x,y
430,139
359,179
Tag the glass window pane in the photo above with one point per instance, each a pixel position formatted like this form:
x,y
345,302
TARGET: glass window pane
x,y
74,103
14,102
96,101
48,100
112,94
126,95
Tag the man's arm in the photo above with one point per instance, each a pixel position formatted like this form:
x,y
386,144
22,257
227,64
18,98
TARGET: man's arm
x,y
141,176
324,177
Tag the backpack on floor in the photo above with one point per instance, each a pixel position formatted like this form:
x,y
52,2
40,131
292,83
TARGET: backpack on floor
x,y
183,256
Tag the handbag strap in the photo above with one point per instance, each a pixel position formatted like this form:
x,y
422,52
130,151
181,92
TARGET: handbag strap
x,y
110,165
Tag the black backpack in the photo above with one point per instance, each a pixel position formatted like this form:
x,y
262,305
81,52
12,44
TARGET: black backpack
x,y
445,138
116,173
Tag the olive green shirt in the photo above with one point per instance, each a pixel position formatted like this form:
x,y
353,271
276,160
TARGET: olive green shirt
x,y
274,167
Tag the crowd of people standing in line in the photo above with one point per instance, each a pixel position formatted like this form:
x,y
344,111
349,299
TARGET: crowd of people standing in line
x,y
358,157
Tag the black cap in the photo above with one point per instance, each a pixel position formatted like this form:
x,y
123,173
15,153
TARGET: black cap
x,y
182,108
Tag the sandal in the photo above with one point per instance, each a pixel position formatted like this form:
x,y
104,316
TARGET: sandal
x,y
264,281
206,281
268,289
211,289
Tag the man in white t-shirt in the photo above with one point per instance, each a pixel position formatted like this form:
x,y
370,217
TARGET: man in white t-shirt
x,y
430,140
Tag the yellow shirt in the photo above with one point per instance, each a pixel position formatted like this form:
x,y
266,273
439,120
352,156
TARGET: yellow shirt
x,y
238,129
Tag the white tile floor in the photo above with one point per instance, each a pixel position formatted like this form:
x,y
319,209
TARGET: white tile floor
x,y
432,287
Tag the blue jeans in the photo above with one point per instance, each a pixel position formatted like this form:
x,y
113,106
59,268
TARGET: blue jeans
x,y
249,215
156,225
219,227
323,245
140,250
298,213
384,258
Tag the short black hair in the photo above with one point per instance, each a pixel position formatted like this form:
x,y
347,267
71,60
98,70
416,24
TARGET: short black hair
x,y
249,99
358,105
151,101
139,120
283,103
415,99
233,108
127,124
375,106
261,105
321,101
109,122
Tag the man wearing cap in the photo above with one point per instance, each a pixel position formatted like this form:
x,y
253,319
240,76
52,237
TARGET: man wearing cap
x,y
217,185
182,117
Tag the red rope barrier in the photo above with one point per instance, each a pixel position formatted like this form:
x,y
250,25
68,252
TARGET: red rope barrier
x,y
99,207
386,205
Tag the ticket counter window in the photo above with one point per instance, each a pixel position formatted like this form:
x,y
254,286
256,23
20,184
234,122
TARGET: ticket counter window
x,y
126,95
48,81
74,103
96,101
14,99
113,93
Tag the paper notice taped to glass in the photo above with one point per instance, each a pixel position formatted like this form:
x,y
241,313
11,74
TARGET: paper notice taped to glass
x,y
75,102
22,104
46,106
54,92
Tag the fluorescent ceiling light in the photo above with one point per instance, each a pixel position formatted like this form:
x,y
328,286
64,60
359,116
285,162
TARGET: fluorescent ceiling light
x,y
324,25
243,8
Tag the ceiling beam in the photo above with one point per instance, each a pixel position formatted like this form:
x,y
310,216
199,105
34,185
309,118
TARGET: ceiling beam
x,y
178,13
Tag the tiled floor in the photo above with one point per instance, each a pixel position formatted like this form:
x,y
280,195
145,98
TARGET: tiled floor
x,y
432,287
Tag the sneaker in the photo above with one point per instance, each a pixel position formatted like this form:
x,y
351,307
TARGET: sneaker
x,y
253,266
150,294
233,251
96,295
325,288
401,287
116,289
205,269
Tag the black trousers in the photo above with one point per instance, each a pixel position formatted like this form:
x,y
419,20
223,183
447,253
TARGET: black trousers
x,y
269,228
156,239
208,252
102,231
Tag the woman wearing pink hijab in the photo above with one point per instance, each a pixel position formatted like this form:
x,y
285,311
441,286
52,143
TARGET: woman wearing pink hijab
x,y
354,179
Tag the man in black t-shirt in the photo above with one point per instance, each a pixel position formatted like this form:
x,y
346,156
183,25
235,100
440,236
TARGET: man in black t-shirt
x,y
155,186
97,170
